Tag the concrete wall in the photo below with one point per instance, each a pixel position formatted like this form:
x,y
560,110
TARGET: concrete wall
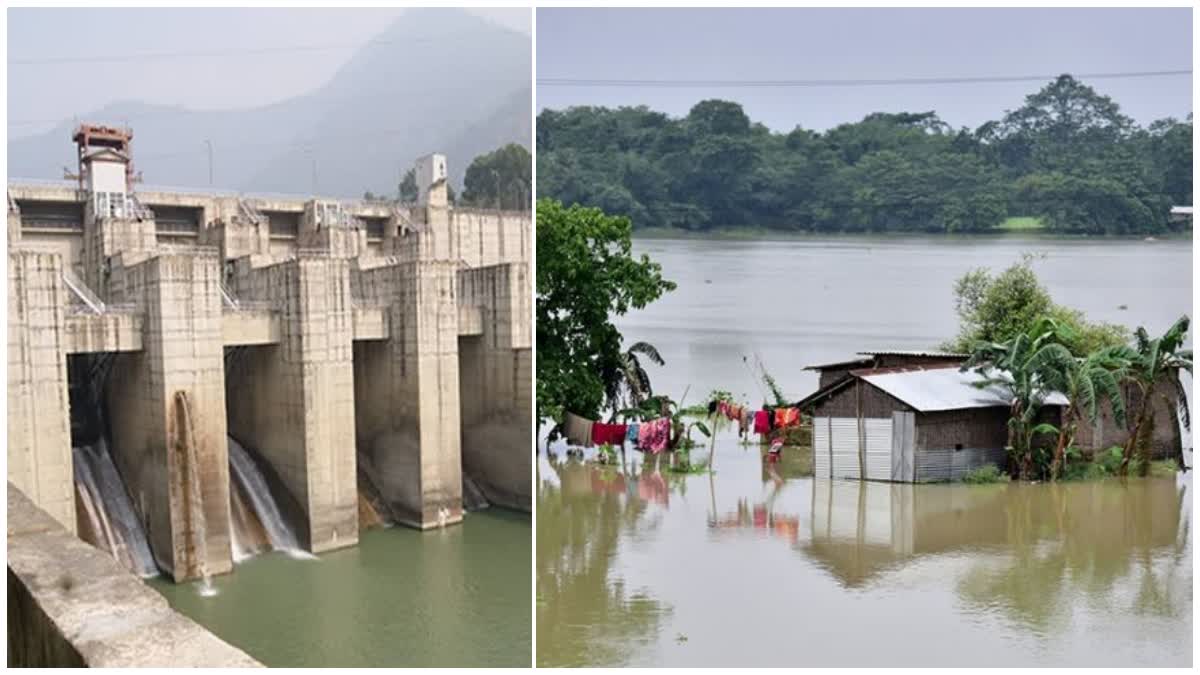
x,y
67,243
407,390
161,459
476,237
330,369
294,402
72,605
495,376
39,430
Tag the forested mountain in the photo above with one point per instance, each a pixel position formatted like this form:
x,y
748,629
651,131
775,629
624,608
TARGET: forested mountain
x,y
436,80
1068,157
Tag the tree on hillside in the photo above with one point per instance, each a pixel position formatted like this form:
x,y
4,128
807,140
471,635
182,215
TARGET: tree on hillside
x,y
500,179
586,274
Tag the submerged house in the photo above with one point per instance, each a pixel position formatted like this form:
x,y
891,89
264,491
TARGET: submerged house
x,y
1166,442
910,424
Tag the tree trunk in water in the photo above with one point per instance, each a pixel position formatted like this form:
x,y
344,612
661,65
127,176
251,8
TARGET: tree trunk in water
x,y
1014,470
1059,450
1064,433
1130,446
1145,441
1131,443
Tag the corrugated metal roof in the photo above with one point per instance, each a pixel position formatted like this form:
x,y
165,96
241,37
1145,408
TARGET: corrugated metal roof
x,y
905,352
835,364
945,389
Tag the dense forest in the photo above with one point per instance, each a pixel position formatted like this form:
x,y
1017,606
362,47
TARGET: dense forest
x,y
1068,158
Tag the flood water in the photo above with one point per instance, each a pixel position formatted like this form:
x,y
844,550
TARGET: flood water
x,y
452,597
765,565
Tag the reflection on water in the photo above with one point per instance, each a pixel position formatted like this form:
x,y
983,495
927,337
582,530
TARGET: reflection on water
x,y
728,568
1053,541
589,616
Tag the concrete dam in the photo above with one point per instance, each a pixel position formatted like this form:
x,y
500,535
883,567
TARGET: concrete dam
x,y
196,376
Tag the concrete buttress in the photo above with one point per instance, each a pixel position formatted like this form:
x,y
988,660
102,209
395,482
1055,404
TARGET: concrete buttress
x,y
167,412
407,391
39,432
294,401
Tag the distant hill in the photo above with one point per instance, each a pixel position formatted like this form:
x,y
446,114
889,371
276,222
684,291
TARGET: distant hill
x,y
437,80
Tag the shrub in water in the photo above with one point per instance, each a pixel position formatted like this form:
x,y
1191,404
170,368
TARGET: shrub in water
x,y
988,473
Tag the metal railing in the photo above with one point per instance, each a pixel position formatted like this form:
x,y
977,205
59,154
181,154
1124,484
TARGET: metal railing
x,y
233,304
250,213
82,293
87,302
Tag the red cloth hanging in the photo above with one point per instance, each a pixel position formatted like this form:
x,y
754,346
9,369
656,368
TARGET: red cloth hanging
x,y
613,434
762,423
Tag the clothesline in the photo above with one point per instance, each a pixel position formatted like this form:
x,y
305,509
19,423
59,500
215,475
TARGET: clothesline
x,y
654,435
651,436
763,421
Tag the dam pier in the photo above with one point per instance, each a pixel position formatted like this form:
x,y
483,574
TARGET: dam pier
x,y
364,359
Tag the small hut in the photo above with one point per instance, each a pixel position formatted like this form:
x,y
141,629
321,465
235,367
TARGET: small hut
x,y
910,424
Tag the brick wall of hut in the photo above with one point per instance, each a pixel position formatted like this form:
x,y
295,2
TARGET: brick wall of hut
x,y
846,401
1106,433
969,428
830,376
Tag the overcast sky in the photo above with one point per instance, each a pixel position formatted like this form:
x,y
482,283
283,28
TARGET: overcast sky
x,y
774,44
60,91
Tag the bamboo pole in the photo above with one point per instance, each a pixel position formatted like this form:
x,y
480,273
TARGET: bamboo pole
x,y
712,441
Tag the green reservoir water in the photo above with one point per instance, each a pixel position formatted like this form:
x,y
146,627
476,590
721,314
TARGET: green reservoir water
x,y
762,564
453,597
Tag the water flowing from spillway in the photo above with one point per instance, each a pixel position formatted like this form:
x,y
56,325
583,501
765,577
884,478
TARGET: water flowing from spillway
x,y
258,523
473,497
108,514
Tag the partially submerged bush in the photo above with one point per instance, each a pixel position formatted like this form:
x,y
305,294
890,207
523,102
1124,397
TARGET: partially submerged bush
x,y
988,473
1108,463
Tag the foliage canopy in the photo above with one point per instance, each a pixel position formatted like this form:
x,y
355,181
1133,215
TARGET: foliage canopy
x,y
586,274
1068,156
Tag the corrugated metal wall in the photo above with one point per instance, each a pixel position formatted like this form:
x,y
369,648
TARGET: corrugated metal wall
x,y
844,435
820,440
948,464
878,433
890,457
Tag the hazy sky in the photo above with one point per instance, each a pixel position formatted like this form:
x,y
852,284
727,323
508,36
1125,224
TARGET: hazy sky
x,y
60,91
774,44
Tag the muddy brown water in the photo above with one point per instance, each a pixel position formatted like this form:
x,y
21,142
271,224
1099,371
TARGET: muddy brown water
x,y
762,564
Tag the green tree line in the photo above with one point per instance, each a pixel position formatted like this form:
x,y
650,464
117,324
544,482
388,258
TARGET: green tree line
x,y
1067,157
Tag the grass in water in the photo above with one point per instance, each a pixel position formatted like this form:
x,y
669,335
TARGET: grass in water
x,y
1021,224
988,473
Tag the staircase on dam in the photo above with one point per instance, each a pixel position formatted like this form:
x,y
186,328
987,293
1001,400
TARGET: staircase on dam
x,y
278,322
